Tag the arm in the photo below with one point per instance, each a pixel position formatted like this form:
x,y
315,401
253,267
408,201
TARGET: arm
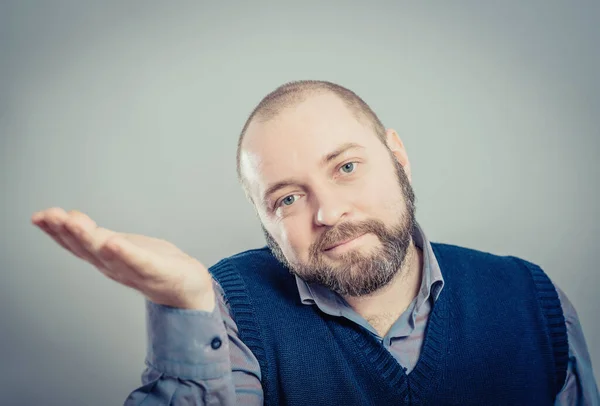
x,y
184,368
580,386
194,352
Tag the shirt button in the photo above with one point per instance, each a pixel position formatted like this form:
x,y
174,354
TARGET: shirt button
x,y
216,343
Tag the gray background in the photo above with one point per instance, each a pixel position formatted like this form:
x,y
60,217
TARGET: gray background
x,y
131,112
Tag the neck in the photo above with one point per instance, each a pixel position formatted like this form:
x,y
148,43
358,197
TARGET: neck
x,y
383,307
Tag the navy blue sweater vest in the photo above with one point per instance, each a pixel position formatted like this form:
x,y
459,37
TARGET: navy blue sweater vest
x,y
496,336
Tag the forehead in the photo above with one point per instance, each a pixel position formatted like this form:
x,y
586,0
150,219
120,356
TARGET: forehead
x,y
293,143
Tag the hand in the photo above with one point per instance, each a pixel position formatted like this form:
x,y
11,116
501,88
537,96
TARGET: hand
x,y
156,268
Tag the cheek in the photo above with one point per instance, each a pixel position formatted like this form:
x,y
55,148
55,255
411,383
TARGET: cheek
x,y
383,196
296,239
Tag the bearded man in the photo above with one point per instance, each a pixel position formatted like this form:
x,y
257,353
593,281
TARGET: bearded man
x,y
349,303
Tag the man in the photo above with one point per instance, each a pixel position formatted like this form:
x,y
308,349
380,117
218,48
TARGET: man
x,y
350,304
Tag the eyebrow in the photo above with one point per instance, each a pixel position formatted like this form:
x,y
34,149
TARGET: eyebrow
x,y
277,186
343,148
325,160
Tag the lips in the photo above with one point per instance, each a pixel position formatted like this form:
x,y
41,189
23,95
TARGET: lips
x,y
337,244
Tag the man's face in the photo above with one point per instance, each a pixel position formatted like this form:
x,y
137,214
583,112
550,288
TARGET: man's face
x,y
335,205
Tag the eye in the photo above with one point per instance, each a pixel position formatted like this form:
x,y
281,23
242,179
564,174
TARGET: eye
x,y
287,201
348,167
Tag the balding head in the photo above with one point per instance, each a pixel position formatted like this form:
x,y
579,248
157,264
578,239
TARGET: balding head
x,y
291,94
330,186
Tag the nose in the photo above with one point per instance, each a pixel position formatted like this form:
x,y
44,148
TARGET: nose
x,y
331,207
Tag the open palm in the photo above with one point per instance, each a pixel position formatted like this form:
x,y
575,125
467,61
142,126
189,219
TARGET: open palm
x,y
154,267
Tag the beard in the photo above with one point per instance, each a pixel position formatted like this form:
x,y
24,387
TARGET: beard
x,y
358,274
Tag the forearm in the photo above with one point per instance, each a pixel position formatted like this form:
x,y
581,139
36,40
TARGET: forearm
x,y
187,360
183,367
162,389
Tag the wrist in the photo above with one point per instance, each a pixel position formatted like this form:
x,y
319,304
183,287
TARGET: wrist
x,y
204,301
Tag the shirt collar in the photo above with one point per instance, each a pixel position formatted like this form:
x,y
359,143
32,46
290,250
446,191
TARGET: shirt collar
x,y
431,283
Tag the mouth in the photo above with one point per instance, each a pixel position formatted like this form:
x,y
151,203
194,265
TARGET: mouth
x,y
340,243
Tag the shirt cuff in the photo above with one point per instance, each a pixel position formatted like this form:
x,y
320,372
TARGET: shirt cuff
x,y
186,343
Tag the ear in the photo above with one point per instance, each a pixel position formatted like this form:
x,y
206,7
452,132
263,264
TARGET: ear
x,y
396,145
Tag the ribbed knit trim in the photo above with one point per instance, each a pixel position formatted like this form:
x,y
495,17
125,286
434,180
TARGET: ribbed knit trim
x,y
243,313
555,322
423,377
375,357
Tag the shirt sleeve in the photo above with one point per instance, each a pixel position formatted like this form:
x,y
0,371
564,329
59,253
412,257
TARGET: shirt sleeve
x,y
580,385
196,357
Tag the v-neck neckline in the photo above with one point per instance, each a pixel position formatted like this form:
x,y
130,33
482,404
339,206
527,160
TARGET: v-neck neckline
x,y
373,352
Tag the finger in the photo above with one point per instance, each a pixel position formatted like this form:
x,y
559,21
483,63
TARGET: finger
x,y
77,248
54,221
75,225
79,234
77,218
92,239
46,228
56,218
50,221
37,216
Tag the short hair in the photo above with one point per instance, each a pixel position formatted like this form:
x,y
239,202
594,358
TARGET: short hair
x,y
292,93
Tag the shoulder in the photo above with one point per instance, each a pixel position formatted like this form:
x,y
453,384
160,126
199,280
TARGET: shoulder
x,y
252,269
252,258
456,255
246,255
506,273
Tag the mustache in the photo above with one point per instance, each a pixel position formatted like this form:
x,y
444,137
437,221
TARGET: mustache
x,y
346,231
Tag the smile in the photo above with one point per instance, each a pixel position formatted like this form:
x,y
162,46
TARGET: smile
x,y
342,245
